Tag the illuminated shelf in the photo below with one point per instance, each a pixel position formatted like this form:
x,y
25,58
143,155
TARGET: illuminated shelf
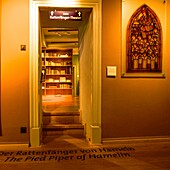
x,y
57,57
58,74
58,66
59,88
58,82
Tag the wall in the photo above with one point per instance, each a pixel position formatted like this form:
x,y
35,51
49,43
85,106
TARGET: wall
x,y
14,71
131,107
0,65
86,54
76,64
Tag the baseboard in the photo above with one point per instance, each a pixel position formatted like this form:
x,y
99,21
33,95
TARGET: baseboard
x,y
95,135
35,137
137,139
13,146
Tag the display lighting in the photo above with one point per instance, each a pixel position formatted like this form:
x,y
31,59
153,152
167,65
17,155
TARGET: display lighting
x,y
63,2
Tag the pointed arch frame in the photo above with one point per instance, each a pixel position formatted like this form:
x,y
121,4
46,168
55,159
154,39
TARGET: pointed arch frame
x,y
128,9
144,41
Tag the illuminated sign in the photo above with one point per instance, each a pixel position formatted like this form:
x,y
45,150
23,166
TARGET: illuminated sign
x,y
66,15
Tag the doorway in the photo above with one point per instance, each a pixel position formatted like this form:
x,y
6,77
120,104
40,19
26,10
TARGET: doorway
x,y
59,63
91,118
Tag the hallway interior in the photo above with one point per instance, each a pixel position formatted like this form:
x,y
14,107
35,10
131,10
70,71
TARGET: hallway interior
x,y
57,103
61,116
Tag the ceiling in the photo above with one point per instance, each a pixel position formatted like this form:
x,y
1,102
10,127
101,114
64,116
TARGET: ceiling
x,y
61,33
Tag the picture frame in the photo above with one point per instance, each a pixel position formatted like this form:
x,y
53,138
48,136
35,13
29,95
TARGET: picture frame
x,y
142,44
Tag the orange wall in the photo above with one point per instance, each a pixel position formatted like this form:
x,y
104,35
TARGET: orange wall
x,y
86,49
14,70
131,107
0,64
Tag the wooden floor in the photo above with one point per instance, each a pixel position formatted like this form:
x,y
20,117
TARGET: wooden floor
x,y
61,116
60,103
67,153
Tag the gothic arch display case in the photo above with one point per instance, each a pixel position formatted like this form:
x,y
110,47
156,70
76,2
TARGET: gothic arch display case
x,y
144,42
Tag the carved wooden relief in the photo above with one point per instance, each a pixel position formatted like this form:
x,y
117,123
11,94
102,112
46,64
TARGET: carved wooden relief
x,y
144,44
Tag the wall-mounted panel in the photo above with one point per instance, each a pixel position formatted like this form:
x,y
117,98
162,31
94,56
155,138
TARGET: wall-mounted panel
x,y
143,38
0,66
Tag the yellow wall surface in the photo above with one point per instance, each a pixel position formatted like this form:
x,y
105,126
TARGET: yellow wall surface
x,y
0,66
86,49
131,107
14,70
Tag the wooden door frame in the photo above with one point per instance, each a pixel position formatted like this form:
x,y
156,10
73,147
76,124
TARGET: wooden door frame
x,y
35,125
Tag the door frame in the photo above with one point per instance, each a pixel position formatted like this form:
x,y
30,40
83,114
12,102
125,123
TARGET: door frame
x,y
74,80
35,115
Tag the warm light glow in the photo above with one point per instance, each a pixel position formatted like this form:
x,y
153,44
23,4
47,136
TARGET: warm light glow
x,y
35,118
63,2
